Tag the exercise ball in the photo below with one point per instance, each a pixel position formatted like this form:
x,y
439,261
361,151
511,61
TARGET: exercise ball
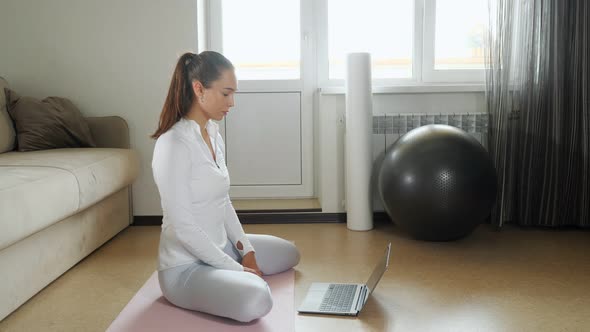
x,y
437,183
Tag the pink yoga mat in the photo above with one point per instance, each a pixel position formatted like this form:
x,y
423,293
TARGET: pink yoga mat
x,y
148,310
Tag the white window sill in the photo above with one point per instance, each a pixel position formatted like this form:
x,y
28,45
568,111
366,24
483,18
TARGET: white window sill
x,y
396,89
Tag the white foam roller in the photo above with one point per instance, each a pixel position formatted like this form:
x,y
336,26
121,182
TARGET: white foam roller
x,y
358,150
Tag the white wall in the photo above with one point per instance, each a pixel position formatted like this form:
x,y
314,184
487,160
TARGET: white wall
x,y
109,57
330,132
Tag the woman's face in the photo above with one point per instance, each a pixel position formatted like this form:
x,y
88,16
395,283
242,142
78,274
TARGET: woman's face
x,y
219,97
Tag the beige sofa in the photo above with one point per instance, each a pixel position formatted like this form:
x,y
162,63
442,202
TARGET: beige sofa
x,y
57,206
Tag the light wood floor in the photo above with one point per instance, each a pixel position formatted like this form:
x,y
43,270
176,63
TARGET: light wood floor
x,y
513,280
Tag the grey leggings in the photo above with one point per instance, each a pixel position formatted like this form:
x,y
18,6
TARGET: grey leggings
x,y
241,296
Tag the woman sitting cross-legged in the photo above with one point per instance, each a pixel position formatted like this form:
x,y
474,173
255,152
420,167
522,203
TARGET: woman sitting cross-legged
x,y
206,261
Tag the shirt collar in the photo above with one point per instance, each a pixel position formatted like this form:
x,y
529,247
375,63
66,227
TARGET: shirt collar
x,y
211,127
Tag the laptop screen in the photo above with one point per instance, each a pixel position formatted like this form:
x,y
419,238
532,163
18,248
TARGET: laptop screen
x,y
379,270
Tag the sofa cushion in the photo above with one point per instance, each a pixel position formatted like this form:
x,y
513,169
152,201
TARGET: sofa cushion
x,y
7,133
97,173
51,123
32,198
100,172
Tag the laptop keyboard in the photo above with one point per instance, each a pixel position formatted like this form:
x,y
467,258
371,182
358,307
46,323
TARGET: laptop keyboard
x,y
338,298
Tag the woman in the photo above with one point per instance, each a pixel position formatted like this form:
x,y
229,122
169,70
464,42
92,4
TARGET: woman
x,y
206,262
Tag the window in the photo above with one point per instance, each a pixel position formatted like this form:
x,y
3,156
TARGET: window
x,y
454,32
410,41
261,37
383,28
459,42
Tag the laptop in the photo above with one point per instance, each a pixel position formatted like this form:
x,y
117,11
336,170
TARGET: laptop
x,y
343,299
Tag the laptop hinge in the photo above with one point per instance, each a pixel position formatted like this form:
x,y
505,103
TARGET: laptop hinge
x,y
360,302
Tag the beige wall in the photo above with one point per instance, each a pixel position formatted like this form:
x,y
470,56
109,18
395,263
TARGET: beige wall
x,y
110,57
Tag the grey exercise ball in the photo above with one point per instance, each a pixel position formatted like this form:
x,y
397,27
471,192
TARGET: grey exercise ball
x,y
437,183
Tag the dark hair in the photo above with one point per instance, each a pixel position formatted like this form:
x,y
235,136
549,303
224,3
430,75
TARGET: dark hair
x,y
205,67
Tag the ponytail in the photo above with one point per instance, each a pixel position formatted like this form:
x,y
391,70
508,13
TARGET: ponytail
x,y
205,67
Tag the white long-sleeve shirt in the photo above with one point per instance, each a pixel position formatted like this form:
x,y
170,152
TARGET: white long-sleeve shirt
x,y
194,191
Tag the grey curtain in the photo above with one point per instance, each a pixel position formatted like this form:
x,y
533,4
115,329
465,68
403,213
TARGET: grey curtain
x,y
537,94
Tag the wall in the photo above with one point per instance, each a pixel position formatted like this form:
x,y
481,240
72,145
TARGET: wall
x,y
109,57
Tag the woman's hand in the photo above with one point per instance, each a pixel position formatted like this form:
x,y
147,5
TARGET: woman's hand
x,y
250,265
256,272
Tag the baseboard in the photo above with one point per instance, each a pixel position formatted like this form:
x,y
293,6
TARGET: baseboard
x,y
272,218
147,221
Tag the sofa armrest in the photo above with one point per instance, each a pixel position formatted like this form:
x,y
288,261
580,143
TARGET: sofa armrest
x,y
109,131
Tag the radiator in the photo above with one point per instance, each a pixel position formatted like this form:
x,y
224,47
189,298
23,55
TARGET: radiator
x,y
392,126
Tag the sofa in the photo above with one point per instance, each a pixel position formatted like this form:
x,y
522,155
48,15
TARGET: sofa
x,y
57,206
